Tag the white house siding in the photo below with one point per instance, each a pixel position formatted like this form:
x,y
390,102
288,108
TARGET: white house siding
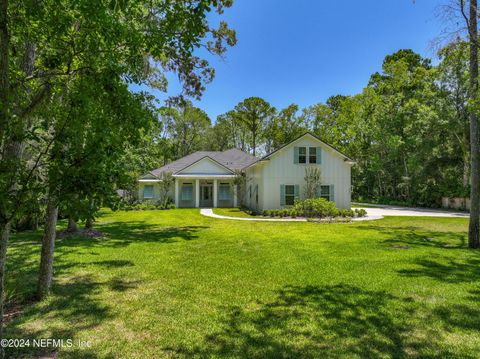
x,y
281,169
254,184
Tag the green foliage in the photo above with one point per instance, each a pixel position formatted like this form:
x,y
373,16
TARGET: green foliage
x,y
314,208
360,212
240,181
253,114
147,206
186,129
312,181
165,184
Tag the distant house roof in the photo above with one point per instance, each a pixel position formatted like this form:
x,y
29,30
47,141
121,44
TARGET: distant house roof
x,y
234,159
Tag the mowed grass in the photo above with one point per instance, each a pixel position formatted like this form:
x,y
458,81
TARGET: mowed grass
x,y
177,284
233,212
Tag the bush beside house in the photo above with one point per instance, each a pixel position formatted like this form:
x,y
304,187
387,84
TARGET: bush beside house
x,y
315,208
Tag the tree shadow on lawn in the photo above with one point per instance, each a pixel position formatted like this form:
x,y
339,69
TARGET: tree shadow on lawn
x,y
122,234
23,255
446,269
73,307
321,321
416,236
462,316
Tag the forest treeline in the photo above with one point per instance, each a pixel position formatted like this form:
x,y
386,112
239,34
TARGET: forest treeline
x,y
408,129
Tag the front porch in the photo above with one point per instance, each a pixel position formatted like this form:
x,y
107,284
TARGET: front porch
x,y
205,191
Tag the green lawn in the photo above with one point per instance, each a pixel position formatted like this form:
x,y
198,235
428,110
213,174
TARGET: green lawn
x,y
233,212
177,284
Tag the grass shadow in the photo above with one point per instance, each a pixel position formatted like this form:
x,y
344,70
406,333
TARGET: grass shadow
x,y
446,270
124,233
317,322
72,307
419,237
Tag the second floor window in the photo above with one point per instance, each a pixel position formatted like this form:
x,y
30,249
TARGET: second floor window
x,y
312,155
302,155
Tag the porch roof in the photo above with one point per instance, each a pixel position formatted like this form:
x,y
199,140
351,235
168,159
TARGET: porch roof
x,y
204,176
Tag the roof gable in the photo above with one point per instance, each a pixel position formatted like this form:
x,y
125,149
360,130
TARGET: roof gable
x,y
313,137
233,159
288,144
205,165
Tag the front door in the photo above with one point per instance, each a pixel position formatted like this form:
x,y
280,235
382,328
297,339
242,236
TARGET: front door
x,y
206,195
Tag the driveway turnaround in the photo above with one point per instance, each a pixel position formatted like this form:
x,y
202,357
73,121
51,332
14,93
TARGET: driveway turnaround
x,y
372,214
384,210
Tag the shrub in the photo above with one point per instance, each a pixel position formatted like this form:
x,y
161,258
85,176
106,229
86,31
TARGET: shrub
x,y
147,206
316,207
346,213
360,212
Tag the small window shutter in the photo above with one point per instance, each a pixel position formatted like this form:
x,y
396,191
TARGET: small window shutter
x,y
296,192
332,193
318,191
295,155
319,155
282,195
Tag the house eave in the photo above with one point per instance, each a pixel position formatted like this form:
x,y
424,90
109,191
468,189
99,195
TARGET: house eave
x,y
203,175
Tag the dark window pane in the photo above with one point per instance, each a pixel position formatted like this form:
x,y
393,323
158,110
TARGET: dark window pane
x,y
325,192
289,200
289,189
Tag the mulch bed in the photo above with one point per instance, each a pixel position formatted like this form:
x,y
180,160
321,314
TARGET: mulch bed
x,y
87,232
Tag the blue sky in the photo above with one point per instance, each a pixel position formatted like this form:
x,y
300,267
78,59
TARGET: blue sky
x,y
304,51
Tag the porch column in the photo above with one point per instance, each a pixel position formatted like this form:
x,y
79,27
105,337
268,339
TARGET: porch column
x,y
197,193
235,200
177,192
215,193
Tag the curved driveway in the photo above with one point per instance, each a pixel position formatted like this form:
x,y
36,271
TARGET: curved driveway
x,y
377,212
384,210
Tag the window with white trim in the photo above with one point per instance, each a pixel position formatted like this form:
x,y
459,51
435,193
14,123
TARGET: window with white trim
x,y
148,191
325,192
224,192
302,155
289,195
186,193
312,155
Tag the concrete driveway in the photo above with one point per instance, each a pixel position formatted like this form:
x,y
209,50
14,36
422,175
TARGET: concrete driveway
x,y
380,211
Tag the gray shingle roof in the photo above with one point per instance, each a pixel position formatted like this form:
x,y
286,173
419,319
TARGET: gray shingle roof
x,y
233,159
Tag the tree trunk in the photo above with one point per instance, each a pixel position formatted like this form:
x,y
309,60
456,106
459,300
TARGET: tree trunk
x,y
466,158
474,225
89,221
4,81
48,246
72,224
5,232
